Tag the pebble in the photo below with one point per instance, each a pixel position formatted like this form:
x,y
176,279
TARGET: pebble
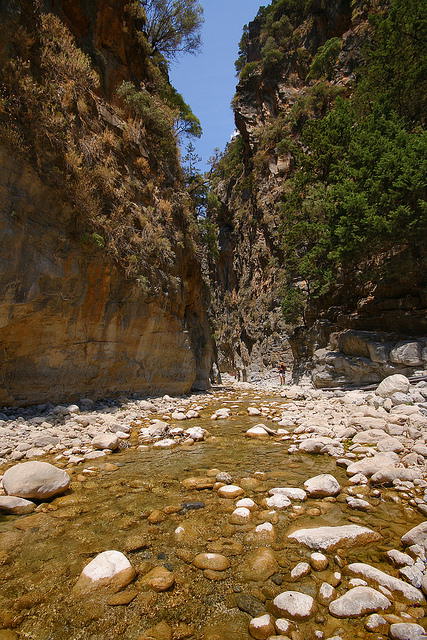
x,y
262,628
318,561
160,579
296,605
213,561
301,570
230,491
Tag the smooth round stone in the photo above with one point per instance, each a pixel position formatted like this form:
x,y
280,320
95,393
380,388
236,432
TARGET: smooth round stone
x,y
318,561
250,604
262,534
160,579
107,569
278,501
358,602
216,576
407,631
259,565
122,598
256,432
213,561
322,486
326,593
226,546
283,626
262,627
376,624
16,506
247,503
39,480
254,411
230,491
241,515
301,570
297,606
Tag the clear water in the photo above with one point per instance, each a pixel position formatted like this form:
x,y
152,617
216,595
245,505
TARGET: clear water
x,y
42,555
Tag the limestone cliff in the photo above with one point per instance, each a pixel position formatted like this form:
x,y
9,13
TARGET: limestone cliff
x,y
100,284
276,245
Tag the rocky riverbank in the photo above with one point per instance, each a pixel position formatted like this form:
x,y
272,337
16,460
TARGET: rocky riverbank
x,y
222,516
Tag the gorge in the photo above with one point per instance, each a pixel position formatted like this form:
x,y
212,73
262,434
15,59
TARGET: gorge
x,y
157,479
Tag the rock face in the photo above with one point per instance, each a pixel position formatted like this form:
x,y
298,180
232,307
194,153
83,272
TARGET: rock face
x,y
38,480
79,316
367,327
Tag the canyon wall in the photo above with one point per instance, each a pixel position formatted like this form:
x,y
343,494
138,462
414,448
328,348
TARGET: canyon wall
x,y
296,63
100,284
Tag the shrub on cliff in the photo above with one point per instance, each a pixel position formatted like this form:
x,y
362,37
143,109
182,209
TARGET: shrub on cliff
x,y
173,26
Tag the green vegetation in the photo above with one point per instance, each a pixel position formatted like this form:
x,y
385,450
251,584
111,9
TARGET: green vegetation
x,y
325,58
173,26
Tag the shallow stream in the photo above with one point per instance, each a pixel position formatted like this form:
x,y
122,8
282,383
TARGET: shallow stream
x,y
42,555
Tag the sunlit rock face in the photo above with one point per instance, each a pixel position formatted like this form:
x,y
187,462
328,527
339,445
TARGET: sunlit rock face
x,y
76,319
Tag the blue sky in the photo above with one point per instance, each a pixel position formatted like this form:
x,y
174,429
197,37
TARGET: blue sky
x,y
207,81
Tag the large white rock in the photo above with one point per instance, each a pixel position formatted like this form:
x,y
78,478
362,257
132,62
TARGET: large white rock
x,y
16,506
322,486
256,432
359,602
369,466
383,579
393,384
196,433
278,501
294,604
407,631
330,538
107,569
105,441
416,535
39,480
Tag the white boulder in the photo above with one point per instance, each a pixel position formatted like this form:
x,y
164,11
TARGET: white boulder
x,y
39,480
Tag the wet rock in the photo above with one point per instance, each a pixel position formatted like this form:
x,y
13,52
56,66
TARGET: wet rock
x,y
283,626
322,486
16,506
278,501
290,492
246,503
379,577
230,491
122,598
358,504
198,483
298,606
109,569
301,570
326,593
241,515
226,546
249,604
196,433
331,538
399,559
376,624
254,411
318,561
192,506
262,627
407,631
224,477
39,480
213,561
416,535
413,575
262,534
160,579
369,466
161,631
259,565
358,602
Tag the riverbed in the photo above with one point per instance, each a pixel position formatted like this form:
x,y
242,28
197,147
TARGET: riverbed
x,y
110,505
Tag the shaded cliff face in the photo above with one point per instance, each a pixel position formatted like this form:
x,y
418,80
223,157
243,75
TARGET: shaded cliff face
x,y
282,262
101,290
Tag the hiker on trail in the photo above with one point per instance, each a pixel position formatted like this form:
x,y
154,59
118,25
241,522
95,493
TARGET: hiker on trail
x,y
282,373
